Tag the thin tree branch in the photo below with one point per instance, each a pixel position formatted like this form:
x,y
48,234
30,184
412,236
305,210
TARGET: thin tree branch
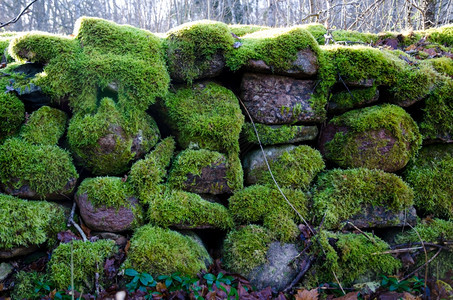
x,y
18,16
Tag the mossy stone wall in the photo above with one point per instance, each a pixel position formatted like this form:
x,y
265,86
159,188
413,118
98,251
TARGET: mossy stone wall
x,y
162,120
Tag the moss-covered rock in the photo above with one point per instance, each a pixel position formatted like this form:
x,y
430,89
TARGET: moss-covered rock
x,y
207,115
5,38
443,65
437,122
383,137
88,261
109,204
108,141
339,195
292,166
442,35
407,84
206,172
350,256
27,223
266,205
195,50
163,252
147,175
240,30
246,248
431,176
45,126
278,134
353,98
186,210
12,110
36,171
103,58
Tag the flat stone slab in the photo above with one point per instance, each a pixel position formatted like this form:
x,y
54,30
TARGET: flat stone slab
x,y
380,217
273,100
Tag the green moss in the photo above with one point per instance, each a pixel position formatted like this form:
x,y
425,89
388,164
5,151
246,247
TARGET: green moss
x,y
241,30
277,134
276,47
103,56
88,260
207,115
26,223
432,231
86,132
354,36
431,176
317,31
12,110
191,46
106,191
146,175
25,284
45,169
258,203
192,162
352,256
340,194
163,252
346,100
437,120
5,39
188,210
442,35
45,126
295,168
443,65
246,248
345,149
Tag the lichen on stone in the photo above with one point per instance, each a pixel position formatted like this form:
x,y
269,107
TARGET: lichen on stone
x,y
46,169
26,223
246,248
263,204
163,252
340,194
88,262
431,176
45,126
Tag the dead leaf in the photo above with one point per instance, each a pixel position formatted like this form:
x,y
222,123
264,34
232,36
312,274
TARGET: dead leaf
x,y
128,245
307,295
349,296
86,230
410,47
430,51
67,236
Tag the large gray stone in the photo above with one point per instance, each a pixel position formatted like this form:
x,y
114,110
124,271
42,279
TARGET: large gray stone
x,y
279,271
274,99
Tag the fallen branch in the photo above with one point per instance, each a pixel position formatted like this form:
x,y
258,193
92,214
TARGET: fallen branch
x,y
76,226
363,233
306,264
18,16
424,265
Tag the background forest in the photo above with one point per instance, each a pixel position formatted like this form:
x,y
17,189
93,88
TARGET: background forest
x,y
58,16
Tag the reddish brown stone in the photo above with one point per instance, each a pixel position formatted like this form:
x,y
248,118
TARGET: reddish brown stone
x,y
274,99
26,192
304,66
108,218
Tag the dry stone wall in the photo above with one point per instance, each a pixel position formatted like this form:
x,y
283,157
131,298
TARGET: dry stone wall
x,y
257,140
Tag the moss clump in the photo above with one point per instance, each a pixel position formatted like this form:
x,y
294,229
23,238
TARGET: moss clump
x,y
106,191
88,258
437,120
257,203
443,65
147,175
431,176
192,162
103,58
106,142
346,148
431,231
340,194
354,36
241,30
25,284
442,35
295,168
246,248
278,134
406,83
351,256
186,210
346,100
45,169
26,223
317,31
276,47
5,39
45,126
191,46
12,110
163,252
207,115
